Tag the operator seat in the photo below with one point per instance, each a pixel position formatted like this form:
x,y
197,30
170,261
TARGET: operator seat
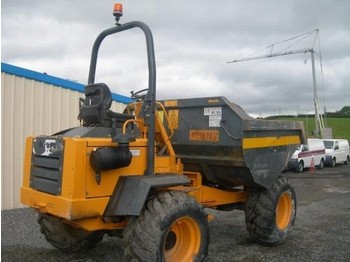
x,y
94,109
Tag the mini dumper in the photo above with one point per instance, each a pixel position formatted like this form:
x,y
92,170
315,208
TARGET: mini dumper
x,y
148,174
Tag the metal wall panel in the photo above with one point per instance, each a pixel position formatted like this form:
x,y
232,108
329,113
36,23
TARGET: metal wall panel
x,y
29,107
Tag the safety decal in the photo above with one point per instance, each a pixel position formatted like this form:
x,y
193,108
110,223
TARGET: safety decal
x,y
214,114
135,152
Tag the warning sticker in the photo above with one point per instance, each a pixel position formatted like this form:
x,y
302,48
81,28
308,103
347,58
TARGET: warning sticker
x,y
135,152
214,114
214,121
212,111
160,115
174,118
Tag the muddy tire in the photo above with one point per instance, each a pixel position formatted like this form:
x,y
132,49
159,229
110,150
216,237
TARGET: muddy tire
x,y
65,237
270,213
171,227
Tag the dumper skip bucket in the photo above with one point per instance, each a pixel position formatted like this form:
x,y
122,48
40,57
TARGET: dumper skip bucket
x,y
218,139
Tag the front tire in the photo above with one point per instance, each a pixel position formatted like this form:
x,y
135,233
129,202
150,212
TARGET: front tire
x,y
65,237
270,213
172,227
321,165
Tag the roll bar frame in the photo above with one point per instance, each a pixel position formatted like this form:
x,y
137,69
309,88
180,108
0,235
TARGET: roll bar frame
x,y
149,103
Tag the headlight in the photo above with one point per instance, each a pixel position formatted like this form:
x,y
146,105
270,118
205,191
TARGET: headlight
x,y
47,146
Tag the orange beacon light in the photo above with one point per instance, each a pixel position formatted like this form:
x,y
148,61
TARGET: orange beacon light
x,y
118,12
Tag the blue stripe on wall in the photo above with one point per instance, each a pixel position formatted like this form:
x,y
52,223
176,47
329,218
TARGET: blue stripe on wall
x,y
26,73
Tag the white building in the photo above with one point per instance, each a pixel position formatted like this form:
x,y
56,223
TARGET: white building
x,y
34,104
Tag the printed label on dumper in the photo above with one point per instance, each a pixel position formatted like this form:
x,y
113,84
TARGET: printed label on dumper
x,y
212,111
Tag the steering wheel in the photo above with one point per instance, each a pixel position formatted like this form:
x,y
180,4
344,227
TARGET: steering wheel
x,y
139,95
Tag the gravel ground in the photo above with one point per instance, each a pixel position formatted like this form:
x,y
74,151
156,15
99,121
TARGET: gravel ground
x,y
321,233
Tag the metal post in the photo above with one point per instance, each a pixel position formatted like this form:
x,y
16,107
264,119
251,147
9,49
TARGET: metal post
x,y
317,127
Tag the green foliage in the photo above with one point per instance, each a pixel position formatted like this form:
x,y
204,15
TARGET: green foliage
x,y
344,112
340,126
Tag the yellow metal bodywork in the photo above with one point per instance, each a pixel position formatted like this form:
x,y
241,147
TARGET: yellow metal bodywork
x,y
82,199
261,142
81,196
212,196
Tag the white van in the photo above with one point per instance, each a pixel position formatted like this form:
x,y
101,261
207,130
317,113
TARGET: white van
x,y
313,153
337,151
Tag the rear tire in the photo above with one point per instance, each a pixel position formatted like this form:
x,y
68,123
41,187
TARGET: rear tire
x,y
172,227
333,162
270,213
65,237
300,167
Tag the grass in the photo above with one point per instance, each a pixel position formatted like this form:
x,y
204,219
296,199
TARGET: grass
x,y
340,126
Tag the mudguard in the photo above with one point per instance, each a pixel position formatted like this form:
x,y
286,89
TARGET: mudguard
x,y
131,192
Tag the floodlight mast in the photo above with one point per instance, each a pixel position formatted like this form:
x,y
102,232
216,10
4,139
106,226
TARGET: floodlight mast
x,y
319,122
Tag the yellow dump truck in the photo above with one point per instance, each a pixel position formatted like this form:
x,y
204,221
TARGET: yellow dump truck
x,y
148,174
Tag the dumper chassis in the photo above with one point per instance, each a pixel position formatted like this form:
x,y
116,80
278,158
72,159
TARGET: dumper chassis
x,y
148,174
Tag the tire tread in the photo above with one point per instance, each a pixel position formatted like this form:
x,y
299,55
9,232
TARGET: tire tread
x,y
260,213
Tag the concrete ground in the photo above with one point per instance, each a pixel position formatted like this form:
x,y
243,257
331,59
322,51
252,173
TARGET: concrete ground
x,y
321,232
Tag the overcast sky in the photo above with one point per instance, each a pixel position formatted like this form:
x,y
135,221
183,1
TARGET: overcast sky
x,y
193,42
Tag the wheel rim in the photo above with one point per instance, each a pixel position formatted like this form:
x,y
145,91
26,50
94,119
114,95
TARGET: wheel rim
x,y
182,241
284,210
